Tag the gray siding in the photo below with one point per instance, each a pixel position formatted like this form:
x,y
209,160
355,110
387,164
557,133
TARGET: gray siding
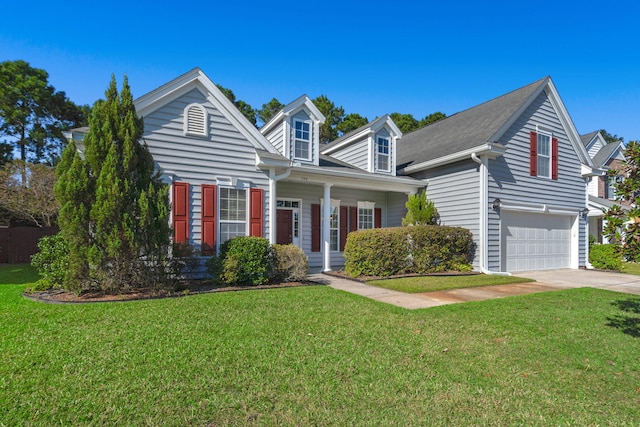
x,y
594,148
356,154
199,160
455,191
276,137
396,209
312,194
510,181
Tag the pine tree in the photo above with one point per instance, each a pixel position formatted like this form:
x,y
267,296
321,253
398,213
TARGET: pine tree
x,y
420,210
115,215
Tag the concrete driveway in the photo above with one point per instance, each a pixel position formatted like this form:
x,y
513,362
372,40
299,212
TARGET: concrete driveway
x,y
618,282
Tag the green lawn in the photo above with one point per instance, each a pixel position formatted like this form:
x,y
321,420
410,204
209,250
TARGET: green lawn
x,y
631,268
416,285
318,356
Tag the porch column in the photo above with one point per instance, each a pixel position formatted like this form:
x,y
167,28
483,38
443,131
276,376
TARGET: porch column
x,y
272,207
326,228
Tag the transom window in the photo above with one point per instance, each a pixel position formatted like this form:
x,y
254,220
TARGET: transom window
x,y
382,154
302,140
544,155
233,213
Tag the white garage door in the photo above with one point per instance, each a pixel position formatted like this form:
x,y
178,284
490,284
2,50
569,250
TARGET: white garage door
x,y
536,241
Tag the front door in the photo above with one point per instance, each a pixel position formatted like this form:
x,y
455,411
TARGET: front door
x,y
284,226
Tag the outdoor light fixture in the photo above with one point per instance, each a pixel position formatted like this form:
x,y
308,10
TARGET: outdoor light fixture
x,y
584,212
496,204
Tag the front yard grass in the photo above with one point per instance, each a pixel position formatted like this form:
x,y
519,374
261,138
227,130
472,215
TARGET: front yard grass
x,y
631,268
316,356
416,285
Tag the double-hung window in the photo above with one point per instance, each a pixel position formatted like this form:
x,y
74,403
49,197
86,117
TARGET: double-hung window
x,y
365,215
544,155
382,154
302,140
233,213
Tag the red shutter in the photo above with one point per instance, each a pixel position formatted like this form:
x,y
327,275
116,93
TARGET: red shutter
x,y
533,154
209,223
315,228
180,212
554,158
344,226
256,219
377,218
353,218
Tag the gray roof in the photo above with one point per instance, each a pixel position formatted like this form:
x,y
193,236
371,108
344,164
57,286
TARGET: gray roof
x,y
586,138
602,157
353,132
467,129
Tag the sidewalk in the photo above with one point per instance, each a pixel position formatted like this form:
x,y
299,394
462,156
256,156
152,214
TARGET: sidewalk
x,y
433,299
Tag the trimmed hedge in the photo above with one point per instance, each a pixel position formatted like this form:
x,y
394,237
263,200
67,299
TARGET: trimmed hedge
x,y
402,250
606,257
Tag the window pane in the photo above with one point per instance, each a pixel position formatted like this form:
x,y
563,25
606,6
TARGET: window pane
x,y
233,204
230,230
365,219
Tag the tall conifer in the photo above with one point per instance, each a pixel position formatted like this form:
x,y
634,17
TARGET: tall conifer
x,y
115,217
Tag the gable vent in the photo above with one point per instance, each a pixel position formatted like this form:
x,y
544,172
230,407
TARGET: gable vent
x,y
195,120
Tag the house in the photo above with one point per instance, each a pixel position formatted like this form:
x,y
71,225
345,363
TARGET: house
x,y
230,179
512,170
605,156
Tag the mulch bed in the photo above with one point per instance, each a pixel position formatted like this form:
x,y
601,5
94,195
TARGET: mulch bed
x,y
59,296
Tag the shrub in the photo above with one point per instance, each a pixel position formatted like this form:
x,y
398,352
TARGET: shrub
x,y
418,249
52,262
243,260
437,248
378,252
290,263
606,257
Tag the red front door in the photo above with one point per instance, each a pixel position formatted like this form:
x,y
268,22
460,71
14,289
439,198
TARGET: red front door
x,y
284,225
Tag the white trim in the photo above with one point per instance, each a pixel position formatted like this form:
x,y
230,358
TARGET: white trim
x,y
549,135
536,208
492,150
309,140
186,120
377,153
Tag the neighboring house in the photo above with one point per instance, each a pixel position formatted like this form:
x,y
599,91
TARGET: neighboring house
x,y
605,156
512,170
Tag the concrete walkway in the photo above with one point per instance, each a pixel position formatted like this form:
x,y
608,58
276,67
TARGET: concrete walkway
x,y
553,280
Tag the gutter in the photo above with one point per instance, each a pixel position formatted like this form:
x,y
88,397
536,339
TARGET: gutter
x,y
484,216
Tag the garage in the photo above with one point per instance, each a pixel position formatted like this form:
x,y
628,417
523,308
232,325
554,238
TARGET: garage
x,y
536,241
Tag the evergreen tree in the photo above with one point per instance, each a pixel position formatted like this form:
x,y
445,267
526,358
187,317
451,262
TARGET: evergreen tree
x,y
114,209
420,210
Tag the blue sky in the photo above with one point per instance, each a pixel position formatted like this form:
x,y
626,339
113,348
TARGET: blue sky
x,y
372,57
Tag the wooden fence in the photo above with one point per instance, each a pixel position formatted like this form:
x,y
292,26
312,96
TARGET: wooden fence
x,y
17,244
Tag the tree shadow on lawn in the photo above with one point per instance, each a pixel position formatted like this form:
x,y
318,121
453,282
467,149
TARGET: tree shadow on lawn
x,y
628,324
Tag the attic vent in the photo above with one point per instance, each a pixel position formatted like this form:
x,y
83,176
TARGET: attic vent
x,y
195,120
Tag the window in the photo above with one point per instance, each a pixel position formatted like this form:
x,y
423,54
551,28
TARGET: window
x,y
302,140
365,215
233,213
382,154
334,226
195,120
544,155
610,190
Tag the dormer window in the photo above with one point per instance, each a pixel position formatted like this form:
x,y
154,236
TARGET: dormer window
x,y
382,154
302,140
195,120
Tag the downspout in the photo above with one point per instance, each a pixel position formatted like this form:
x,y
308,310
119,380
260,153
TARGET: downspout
x,y
484,217
273,178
